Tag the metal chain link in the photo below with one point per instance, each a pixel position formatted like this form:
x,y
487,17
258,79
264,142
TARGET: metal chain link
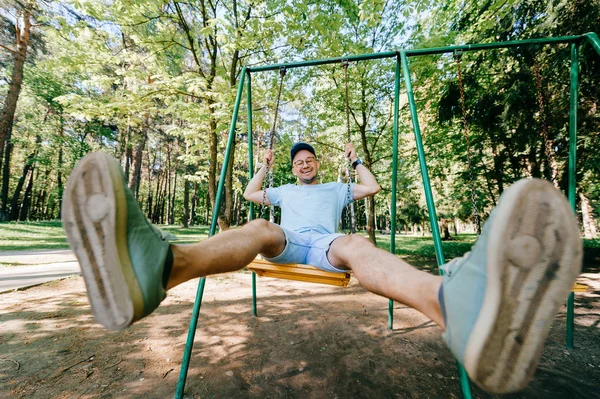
x,y
349,208
457,57
270,139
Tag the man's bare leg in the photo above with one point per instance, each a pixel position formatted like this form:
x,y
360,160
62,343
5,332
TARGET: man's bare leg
x,y
225,252
498,302
127,263
387,275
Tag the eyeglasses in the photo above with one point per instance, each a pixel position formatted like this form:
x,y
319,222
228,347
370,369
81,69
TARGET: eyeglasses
x,y
308,161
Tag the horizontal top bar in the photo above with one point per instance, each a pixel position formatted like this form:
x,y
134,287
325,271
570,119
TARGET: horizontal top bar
x,y
592,37
486,46
300,64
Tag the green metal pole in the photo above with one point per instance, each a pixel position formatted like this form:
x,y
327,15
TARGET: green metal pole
x,y
192,330
250,139
437,242
185,363
251,173
394,180
592,38
494,45
336,60
464,379
572,174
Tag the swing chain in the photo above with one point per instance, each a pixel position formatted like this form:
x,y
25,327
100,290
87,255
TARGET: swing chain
x,y
457,57
349,207
345,63
282,72
270,139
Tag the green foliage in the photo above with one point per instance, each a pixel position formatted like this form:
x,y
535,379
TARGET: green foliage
x,y
118,75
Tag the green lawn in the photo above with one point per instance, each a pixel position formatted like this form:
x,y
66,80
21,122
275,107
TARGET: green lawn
x,y
50,235
416,249
34,235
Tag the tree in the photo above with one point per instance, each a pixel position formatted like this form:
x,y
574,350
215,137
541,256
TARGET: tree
x,y
19,22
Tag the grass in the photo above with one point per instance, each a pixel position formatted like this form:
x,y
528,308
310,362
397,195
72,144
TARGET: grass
x,y
32,235
418,250
22,236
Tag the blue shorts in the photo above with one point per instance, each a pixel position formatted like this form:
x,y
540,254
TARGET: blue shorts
x,y
309,248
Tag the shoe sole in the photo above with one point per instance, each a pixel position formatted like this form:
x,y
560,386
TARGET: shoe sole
x,y
94,216
534,256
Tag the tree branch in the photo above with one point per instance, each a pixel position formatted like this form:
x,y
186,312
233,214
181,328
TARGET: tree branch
x,y
8,48
186,29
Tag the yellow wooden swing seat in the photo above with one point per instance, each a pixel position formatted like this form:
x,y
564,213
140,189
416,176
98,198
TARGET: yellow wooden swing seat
x,y
579,287
298,272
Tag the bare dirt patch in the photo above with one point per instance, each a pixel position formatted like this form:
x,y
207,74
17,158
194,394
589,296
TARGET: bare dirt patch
x,y
309,341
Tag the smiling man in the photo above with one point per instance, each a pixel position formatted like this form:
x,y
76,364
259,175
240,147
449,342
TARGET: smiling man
x,y
495,304
310,210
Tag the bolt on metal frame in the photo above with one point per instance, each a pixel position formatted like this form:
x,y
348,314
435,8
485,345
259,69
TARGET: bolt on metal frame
x,y
401,57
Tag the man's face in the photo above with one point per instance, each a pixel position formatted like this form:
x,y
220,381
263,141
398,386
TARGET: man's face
x,y
305,167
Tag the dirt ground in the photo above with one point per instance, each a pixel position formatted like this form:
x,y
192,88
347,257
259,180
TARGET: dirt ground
x,y
309,341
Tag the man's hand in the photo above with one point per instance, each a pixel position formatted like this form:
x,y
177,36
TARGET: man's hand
x,y
254,190
268,158
368,185
350,152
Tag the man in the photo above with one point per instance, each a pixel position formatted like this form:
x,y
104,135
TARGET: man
x,y
495,304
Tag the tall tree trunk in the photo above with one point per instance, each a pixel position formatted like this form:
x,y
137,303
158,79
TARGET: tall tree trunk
x,y
59,180
172,212
194,202
6,178
225,217
155,211
14,88
186,204
208,210
135,179
168,188
27,197
128,154
163,200
48,202
150,173
370,200
589,224
212,167
43,193
14,203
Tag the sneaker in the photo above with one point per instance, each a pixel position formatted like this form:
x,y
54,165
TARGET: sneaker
x,y
500,299
122,256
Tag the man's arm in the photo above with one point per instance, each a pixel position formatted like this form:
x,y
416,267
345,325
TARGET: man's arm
x,y
254,190
368,186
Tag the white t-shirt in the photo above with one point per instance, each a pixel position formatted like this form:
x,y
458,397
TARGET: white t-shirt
x,y
316,207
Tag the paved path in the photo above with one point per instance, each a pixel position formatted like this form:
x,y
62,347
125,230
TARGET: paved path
x,y
36,256
42,266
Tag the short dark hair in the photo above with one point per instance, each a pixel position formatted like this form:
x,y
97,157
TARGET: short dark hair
x,y
299,147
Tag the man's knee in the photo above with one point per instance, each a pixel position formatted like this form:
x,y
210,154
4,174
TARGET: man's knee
x,y
265,229
357,242
350,244
257,224
345,248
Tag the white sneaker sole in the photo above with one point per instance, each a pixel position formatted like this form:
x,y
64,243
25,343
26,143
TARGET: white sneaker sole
x,y
94,216
534,255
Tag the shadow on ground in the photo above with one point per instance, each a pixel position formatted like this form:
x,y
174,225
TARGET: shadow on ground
x,y
309,341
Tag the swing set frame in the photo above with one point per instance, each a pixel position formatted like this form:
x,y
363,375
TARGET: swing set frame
x,y
402,63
